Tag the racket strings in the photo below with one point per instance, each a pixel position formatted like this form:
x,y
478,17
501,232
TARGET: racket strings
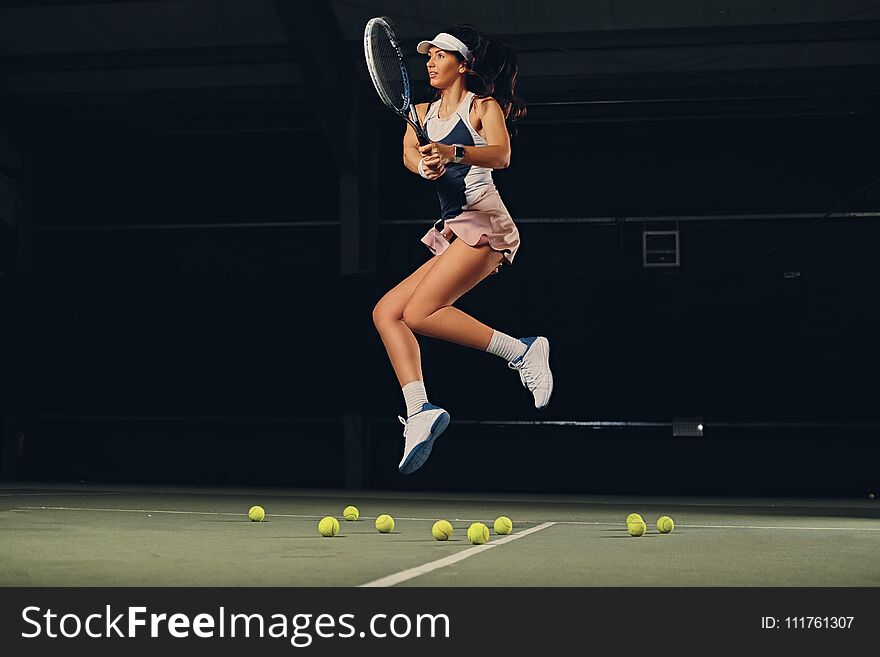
x,y
388,70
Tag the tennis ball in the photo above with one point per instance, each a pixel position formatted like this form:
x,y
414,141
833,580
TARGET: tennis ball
x,y
503,525
632,517
328,526
351,513
637,528
478,533
256,513
665,524
442,530
385,523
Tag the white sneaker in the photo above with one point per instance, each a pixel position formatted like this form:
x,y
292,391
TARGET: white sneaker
x,y
534,369
420,431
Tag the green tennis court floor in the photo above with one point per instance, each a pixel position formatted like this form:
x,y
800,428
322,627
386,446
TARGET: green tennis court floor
x,y
90,535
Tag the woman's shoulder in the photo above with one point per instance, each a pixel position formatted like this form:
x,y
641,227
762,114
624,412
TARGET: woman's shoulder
x,y
482,103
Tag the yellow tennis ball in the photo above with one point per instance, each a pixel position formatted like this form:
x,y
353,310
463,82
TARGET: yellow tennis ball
x,y
351,513
665,524
478,533
385,523
442,530
637,528
632,517
328,526
256,513
503,525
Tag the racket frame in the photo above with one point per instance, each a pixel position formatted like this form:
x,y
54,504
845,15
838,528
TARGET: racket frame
x,y
411,116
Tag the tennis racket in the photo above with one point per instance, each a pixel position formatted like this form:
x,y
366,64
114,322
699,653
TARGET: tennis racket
x,y
389,75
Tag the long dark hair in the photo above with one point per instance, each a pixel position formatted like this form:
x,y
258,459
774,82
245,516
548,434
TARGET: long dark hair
x,y
492,72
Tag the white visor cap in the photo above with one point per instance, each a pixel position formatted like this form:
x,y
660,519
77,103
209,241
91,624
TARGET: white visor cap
x,y
445,41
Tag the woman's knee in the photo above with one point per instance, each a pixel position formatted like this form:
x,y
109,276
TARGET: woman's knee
x,y
412,316
384,312
382,318
415,315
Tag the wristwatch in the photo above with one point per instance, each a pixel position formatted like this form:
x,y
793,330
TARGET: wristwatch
x,y
459,153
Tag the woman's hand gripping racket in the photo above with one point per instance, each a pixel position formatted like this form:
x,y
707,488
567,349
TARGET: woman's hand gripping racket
x,y
388,71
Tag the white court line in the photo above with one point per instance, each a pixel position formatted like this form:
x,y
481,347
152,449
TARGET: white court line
x,y
229,513
410,573
834,529
557,522
79,508
689,525
64,494
219,513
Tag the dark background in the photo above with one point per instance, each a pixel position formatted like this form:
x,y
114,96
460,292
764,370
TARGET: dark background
x,y
181,302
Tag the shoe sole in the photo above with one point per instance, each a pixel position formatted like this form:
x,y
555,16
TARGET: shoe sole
x,y
420,453
545,348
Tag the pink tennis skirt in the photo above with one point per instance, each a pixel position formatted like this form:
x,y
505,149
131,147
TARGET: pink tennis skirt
x,y
486,221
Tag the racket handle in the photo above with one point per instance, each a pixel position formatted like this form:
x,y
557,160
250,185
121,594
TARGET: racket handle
x,y
420,132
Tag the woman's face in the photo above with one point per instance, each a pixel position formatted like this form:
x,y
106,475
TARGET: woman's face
x,y
443,68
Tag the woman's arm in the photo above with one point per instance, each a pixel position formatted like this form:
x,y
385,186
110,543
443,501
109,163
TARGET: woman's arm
x,y
494,155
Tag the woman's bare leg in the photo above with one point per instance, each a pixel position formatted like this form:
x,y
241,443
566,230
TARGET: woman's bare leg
x,y
429,310
399,341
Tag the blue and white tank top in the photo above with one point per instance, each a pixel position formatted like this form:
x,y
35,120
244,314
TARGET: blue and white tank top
x,y
462,183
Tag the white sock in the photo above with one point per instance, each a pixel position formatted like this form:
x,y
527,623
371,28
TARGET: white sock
x,y
414,394
506,347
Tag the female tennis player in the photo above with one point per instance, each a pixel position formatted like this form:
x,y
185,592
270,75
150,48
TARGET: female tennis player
x,y
468,122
